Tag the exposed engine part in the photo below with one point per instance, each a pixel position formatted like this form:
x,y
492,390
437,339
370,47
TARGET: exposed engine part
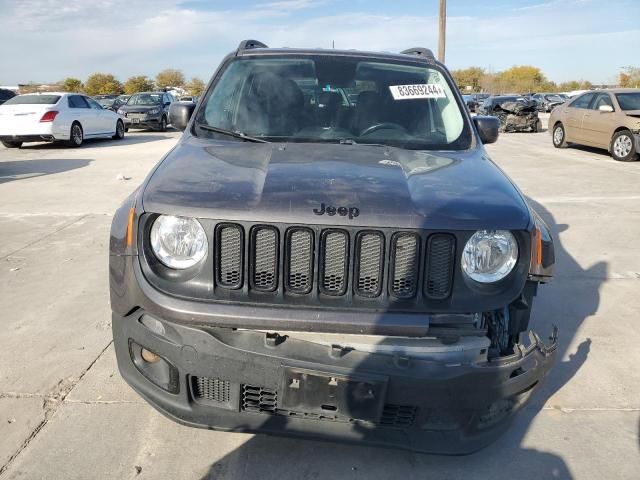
x,y
497,322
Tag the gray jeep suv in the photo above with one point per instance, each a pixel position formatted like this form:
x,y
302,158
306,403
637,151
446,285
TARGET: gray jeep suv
x,y
329,252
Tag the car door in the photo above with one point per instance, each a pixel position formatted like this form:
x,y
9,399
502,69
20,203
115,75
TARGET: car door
x,y
573,116
597,125
104,122
80,111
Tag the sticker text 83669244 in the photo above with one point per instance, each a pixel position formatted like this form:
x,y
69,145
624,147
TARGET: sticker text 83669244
x,y
425,90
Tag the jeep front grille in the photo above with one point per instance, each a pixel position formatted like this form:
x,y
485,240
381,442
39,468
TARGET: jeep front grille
x,y
324,265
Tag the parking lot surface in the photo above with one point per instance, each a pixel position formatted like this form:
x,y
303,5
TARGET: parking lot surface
x,y
65,412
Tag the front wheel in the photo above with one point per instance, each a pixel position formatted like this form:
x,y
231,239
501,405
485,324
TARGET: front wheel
x,y
622,147
119,135
559,137
77,136
12,144
163,124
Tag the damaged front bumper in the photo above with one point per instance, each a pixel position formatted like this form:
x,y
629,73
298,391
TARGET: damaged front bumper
x,y
438,399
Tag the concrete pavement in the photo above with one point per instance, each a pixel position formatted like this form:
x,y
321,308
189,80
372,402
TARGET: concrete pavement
x,y
65,412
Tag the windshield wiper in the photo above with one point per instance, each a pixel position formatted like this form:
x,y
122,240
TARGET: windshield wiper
x,y
351,141
231,133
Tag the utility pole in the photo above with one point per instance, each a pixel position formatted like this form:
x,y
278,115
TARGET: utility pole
x,y
442,29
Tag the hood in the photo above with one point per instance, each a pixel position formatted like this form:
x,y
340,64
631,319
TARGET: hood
x,y
304,183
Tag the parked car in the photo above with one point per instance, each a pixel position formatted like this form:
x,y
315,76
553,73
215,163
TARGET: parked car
x,y
471,103
357,272
52,117
5,95
488,106
608,119
147,110
518,116
547,101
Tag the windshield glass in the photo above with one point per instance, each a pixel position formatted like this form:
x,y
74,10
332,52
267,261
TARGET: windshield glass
x,y
627,101
324,98
145,99
33,100
554,98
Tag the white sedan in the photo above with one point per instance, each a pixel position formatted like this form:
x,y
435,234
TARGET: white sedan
x,y
52,117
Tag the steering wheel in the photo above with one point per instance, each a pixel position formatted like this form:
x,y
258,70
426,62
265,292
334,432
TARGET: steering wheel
x,y
381,126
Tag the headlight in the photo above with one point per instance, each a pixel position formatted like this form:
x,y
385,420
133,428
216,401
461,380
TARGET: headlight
x,y
121,112
154,111
489,255
178,242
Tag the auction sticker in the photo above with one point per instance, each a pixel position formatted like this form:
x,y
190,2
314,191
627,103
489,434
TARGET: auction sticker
x,y
409,92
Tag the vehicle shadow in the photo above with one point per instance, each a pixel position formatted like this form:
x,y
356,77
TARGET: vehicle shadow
x,y
267,457
144,136
22,169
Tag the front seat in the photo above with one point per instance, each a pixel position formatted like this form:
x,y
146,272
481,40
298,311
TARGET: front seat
x,y
368,111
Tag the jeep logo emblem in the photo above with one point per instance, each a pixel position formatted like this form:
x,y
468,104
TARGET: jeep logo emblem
x,y
353,212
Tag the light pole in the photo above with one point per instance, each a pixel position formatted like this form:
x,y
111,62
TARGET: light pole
x,y
442,30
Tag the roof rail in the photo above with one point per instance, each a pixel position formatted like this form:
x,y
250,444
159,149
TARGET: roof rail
x,y
249,44
420,51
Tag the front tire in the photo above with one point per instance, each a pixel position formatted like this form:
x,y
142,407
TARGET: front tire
x,y
119,130
12,144
559,136
163,124
76,136
623,148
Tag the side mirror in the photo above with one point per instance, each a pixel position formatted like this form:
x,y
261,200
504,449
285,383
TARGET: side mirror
x,y
487,127
605,108
180,114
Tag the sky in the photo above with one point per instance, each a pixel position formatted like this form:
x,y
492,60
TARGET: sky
x,y
48,40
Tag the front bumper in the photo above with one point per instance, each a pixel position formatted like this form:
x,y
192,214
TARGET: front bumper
x,y
424,405
152,121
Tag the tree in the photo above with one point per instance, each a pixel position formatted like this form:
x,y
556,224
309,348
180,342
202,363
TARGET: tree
x,y
139,83
469,77
195,87
575,85
71,84
102,83
521,79
629,77
170,78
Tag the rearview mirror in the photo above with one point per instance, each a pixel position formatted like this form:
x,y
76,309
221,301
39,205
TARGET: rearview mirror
x,y
180,114
605,108
487,127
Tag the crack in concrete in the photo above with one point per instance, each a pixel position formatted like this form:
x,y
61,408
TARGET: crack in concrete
x,y
51,403
45,236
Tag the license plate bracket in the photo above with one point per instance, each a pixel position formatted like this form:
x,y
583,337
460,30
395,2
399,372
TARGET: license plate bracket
x,y
359,396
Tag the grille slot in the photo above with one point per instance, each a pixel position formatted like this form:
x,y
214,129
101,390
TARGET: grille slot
x,y
229,256
439,271
398,415
211,389
334,262
264,265
258,399
300,261
405,265
370,255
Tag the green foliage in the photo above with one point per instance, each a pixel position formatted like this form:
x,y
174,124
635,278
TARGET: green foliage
x,y
629,77
139,83
102,83
71,84
469,77
195,87
170,78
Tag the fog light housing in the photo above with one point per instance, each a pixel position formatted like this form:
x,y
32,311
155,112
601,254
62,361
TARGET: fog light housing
x,y
155,368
